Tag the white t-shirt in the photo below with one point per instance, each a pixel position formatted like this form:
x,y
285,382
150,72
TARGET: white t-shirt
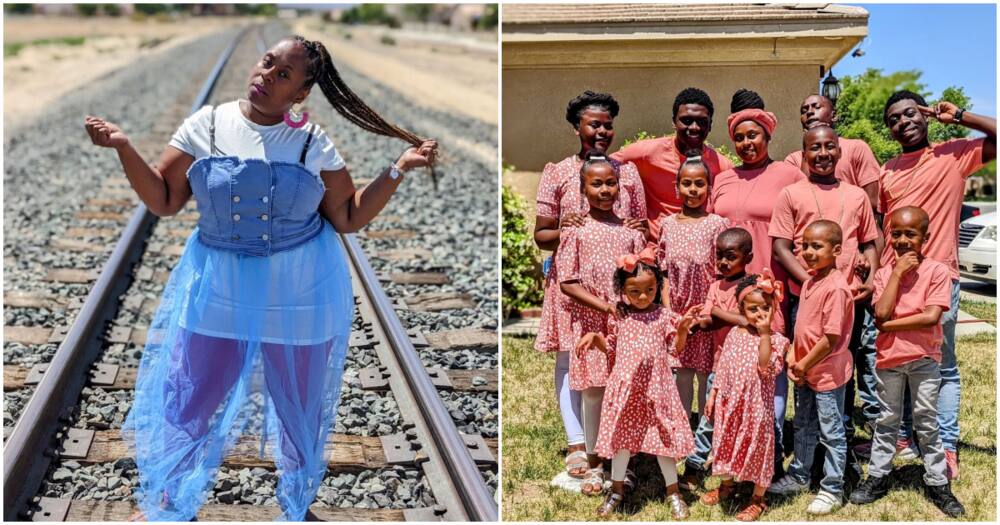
x,y
235,135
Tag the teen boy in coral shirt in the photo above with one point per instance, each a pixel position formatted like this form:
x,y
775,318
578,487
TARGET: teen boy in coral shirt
x,y
823,196
659,159
932,177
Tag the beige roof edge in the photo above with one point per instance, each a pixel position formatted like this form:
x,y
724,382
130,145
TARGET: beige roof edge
x,y
846,14
858,31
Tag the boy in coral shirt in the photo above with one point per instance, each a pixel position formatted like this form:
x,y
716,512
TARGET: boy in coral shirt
x,y
932,177
910,296
824,196
820,365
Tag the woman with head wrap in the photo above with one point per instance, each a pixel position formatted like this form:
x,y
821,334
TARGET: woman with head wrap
x,y
746,195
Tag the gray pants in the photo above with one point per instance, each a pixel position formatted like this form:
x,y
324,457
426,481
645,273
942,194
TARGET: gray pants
x,y
924,379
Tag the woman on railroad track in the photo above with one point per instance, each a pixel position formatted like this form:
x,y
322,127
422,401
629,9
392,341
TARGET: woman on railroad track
x,y
261,298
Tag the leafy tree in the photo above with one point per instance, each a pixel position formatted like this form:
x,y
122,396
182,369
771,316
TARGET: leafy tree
x,y
19,9
490,18
86,9
369,14
519,257
421,12
862,100
256,9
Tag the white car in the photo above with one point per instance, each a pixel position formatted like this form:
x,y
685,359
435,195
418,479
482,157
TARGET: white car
x,y
977,248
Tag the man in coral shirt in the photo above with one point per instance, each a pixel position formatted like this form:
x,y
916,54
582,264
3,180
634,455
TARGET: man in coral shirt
x,y
932,177
659,159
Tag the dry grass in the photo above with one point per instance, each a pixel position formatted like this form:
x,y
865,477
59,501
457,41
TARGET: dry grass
x,y
534,443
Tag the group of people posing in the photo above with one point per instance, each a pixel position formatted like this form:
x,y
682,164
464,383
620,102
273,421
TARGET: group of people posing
x,y
670,264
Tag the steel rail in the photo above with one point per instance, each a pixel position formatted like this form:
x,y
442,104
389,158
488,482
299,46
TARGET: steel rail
x,y
451,449
27,452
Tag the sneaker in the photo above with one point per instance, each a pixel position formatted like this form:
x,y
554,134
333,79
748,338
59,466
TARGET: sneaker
x,y
863,450
824,503
787,486
905,450
943,499
951,459
870,490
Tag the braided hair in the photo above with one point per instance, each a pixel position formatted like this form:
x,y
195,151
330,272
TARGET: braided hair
x,y
745,99
322,71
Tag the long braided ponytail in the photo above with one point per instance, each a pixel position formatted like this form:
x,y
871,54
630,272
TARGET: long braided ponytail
x,y
322,71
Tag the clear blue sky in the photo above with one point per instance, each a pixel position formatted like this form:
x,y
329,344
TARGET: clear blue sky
x,y
954,45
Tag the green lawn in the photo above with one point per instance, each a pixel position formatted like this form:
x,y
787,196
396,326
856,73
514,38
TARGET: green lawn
x,y
980,310
534,446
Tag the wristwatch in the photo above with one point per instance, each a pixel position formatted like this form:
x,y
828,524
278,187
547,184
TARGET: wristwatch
x,y
394,172
958,114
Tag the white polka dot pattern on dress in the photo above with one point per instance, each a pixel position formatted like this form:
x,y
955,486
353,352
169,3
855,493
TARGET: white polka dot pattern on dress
x,y
686,252
743,440
559,194
642,410
588,254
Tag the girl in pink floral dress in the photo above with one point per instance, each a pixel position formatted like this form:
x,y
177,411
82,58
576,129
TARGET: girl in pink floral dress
x,y
686,253
586,266
742,397
560,204
642,411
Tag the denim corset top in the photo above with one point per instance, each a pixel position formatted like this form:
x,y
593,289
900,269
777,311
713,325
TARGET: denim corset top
x,y
255,206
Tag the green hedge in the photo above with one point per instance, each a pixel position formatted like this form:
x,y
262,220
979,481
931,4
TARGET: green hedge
x,y
522,286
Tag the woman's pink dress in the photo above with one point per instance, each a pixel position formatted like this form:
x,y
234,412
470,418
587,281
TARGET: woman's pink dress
x,y
743,440
747,198
686,253
587,254
559,194
642,410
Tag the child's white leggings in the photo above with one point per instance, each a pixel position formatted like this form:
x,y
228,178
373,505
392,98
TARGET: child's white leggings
x,y
569,401
685,387
619,463
593,398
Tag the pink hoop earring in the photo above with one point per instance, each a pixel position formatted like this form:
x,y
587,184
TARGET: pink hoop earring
x,y
295,121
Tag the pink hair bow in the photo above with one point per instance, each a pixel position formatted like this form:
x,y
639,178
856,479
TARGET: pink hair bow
x,y
769,284
628,262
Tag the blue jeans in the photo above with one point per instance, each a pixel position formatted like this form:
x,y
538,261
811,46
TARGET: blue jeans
x,y
819,419
950,395
780,406
702,436
863,350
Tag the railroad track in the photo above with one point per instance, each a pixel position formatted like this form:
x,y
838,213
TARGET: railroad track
x,y
425,468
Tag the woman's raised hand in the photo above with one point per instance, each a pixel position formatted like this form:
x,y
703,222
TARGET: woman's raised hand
x,y
104,134
418,156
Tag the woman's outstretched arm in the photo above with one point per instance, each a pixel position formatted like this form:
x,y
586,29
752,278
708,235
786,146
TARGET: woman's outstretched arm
x,y
163,189
350,209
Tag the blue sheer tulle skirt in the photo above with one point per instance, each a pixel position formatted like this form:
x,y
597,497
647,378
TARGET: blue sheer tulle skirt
x,y
241,348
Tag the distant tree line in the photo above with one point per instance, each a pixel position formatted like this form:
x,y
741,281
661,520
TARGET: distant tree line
x,y
155,9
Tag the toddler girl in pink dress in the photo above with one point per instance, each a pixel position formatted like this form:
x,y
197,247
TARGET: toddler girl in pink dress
x,y
642,411
742,397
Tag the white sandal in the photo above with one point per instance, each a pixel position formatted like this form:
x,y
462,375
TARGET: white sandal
x,y
594,478
577,461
